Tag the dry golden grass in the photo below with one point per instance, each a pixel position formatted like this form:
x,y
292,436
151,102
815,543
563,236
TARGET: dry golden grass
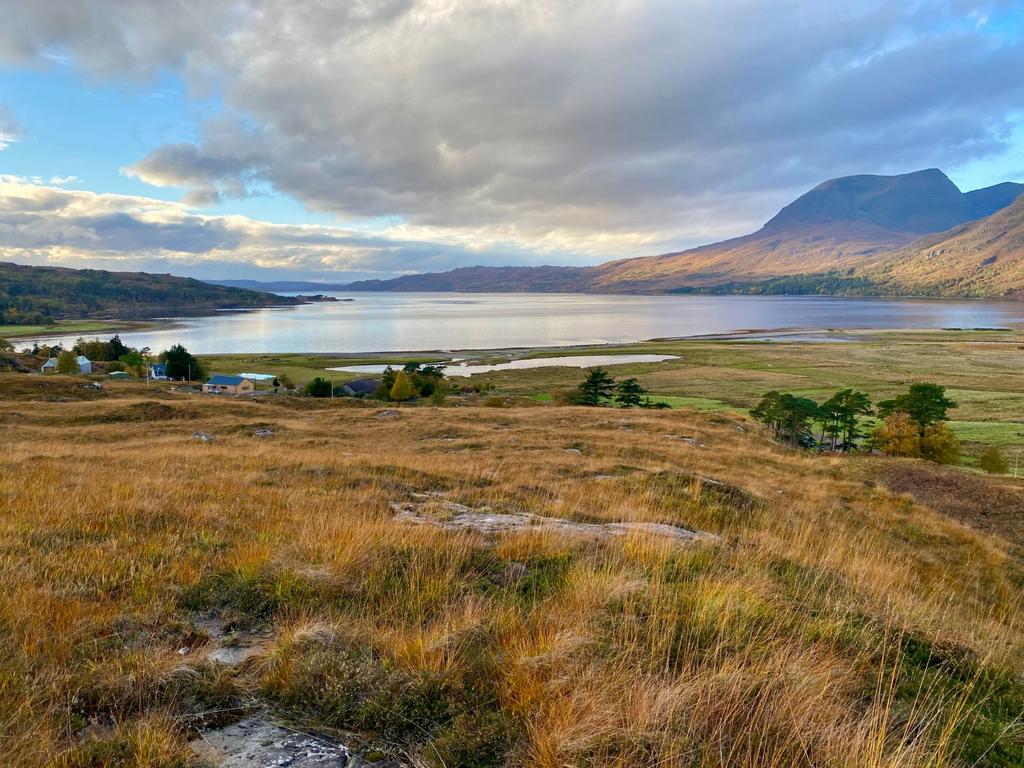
x,y
834,625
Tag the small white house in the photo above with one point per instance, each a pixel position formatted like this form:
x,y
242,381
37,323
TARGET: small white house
x,y
84,364
50,366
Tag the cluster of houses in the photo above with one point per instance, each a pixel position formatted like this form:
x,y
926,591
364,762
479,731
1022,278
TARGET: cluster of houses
x,y
157,371
218,383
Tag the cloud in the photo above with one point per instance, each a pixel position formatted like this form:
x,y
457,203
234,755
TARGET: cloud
x,y
10,131
600,128
46,224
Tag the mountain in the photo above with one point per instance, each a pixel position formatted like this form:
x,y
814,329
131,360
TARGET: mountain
x,y
544,279
980,259
280,286
838,225
41,294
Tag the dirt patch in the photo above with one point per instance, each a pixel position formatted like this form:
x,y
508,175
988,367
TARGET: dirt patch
x,y
149,410
990,504
50,388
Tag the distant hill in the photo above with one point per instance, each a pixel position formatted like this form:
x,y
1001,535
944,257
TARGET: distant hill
x,y
837,226
982,259
280,286
41,294
544,279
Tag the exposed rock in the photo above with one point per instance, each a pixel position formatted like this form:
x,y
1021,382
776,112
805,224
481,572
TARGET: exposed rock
x,y
688,440
233,655
234,647
264,432
464,518
203,437
257,743
388,413
575,451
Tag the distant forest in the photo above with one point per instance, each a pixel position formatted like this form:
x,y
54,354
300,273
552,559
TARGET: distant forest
x,y
36,295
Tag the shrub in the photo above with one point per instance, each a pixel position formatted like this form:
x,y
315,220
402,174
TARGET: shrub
x,y
940,445
402,388
899,436
992,461
66,363
318,387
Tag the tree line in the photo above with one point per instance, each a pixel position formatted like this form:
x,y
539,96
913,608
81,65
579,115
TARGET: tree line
x,y
412,381
40,295
180,364
913,423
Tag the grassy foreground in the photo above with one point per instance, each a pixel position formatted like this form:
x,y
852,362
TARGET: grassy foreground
x,y
835,623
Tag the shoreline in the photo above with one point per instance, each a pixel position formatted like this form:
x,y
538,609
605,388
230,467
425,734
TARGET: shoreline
x,y
787,335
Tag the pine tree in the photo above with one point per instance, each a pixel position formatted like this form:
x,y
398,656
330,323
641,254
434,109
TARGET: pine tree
x,y
182,365
597,387
629,393
926,404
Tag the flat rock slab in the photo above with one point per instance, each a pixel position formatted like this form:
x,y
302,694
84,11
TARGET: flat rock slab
x,y
257,743
230,649
458,517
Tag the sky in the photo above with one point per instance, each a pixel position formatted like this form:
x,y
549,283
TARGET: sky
x,y
310,139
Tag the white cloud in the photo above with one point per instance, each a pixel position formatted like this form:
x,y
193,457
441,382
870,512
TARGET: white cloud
x,y
600,128
10,131
46,224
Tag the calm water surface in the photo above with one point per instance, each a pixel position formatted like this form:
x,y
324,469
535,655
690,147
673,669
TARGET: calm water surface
x,y
391,322
567,361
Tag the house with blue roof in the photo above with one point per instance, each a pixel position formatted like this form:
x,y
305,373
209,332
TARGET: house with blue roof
x,y
223,384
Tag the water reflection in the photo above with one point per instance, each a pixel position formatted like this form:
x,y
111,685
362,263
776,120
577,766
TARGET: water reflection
x,y
387,322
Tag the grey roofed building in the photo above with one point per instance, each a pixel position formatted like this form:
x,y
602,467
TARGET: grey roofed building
x,y
84,365
360,387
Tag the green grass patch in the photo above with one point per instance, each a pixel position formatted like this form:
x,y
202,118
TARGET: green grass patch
x,y
696,403
989,432
60,328
991,735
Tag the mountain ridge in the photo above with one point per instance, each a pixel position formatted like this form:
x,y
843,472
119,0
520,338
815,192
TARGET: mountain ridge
x,y
841,224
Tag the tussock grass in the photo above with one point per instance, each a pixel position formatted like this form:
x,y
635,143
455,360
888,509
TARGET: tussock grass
x,y
835,624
